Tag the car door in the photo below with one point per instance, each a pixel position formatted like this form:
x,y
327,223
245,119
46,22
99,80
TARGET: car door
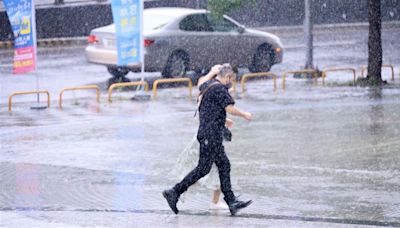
x,y
228,38
198,41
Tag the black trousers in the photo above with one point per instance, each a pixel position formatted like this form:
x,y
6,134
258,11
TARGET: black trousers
x,y
210,151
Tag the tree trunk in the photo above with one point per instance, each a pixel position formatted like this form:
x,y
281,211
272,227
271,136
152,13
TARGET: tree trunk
x,y
374,42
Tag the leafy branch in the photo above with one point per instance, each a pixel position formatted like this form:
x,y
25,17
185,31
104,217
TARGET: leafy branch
x,y
220,7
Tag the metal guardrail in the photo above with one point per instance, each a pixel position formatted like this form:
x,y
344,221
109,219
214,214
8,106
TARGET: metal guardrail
x,y
49,42
254,75
336,70
60,2
171,80
28,92
125,84
80,88
310,71
42,3
364,68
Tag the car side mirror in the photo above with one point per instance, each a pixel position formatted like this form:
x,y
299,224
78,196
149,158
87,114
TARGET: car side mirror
x,y
241,29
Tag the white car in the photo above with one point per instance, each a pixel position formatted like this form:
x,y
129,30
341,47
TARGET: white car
x,y
180,39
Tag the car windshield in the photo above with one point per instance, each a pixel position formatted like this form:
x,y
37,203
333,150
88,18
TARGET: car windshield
x,y
152,21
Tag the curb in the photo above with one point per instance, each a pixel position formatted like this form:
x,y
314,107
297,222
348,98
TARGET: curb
x,y
52,42
324,27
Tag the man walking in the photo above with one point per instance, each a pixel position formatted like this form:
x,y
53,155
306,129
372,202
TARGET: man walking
x,y
215,103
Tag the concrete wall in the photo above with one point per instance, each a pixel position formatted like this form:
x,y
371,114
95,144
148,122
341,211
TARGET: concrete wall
x,y
70,21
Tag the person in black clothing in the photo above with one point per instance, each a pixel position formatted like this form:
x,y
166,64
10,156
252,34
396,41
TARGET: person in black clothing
x,y
215,103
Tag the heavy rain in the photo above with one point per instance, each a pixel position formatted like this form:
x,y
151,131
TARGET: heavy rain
x,y
318,152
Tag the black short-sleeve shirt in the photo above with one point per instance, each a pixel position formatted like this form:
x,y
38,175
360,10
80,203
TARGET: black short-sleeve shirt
x,y
212,112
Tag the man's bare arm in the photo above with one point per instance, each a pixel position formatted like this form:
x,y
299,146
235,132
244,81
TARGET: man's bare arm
x,y
237,112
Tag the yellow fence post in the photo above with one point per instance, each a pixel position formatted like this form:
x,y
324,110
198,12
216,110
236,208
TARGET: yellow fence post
x,y
125,84
234,82
80,88
311,71
364,68
28,92
336,70
391,67
171,80
254,75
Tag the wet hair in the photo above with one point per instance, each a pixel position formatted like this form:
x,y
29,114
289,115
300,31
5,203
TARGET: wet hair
x,y
235,69
226,69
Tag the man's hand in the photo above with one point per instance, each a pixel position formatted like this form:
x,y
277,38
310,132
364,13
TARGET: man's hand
x,y
247,116
229,123
214,71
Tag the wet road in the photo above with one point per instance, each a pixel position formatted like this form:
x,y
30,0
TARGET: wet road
x,y
314,156
330,154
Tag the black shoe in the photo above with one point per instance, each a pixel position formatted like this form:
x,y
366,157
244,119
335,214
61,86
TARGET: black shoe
x,y
172,198
236,205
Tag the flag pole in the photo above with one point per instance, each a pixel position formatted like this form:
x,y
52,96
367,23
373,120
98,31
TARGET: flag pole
x,y
34,35
141,94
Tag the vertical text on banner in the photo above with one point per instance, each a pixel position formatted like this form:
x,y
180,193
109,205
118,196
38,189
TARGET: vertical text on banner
x,y
127,20
21,14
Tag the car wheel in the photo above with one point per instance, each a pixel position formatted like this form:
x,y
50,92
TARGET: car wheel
x,y
118,72
177,65
262,60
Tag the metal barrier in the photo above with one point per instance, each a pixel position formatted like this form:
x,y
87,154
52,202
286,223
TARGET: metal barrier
x,y
364,68
28,92
125,84
81,88
311,71
171,80
254,75
338,69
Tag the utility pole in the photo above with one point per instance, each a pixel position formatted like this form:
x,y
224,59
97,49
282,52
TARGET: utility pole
x,y
308,36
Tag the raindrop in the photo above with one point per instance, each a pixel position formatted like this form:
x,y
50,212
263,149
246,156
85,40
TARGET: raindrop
x,y
391,14
344,16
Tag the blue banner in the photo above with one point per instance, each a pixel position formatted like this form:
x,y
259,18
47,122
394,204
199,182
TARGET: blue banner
x,y
128,23
21,14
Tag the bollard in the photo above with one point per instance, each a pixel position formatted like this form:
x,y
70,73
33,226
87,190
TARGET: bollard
x,y
28,92
125,84
338,69
261,74
171,80
95,87
311,71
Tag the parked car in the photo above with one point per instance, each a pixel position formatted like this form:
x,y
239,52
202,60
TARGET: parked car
x,y
180,39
